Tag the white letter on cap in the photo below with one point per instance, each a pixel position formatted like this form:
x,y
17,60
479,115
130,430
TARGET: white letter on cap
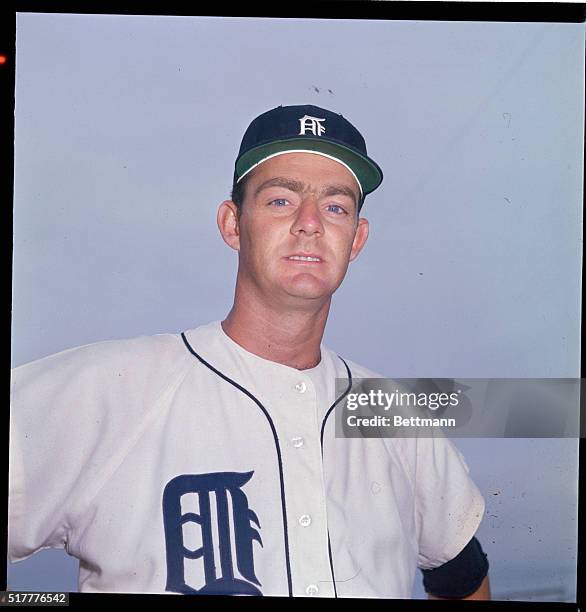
x,y
311,124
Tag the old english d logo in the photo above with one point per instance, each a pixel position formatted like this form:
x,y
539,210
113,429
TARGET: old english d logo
x,y
311,124
203,485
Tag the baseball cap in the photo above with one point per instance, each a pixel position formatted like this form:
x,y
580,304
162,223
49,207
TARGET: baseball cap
x,y
308,129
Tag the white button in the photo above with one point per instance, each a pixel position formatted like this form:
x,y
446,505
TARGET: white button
x,y
297,442
301,387
305,520
312,590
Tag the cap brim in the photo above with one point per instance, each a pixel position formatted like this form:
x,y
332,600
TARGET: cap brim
x,y
366,170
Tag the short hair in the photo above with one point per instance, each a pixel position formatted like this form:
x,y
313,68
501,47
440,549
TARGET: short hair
x,y
238,194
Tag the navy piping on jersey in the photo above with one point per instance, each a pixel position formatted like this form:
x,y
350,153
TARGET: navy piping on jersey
x,y
264,410
323,425
321,441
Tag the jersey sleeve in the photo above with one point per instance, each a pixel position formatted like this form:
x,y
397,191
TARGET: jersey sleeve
x,y
46,436
70,414
461,576
449,506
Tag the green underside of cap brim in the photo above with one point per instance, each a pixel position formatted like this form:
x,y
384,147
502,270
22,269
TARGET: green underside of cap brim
x,y
367,172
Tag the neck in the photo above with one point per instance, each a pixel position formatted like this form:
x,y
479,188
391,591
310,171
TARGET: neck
x,y
289,337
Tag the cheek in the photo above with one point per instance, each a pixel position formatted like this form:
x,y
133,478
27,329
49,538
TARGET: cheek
x,y
259,243
344,242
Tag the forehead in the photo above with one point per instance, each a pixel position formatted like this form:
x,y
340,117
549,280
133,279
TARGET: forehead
x,y
314,171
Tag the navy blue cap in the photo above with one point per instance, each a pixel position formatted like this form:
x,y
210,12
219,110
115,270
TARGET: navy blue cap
x,y
311,129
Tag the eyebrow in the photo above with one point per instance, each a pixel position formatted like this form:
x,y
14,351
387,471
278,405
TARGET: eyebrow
x,y
299,187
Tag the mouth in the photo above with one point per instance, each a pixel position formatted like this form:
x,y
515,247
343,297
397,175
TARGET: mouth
x,y
305,258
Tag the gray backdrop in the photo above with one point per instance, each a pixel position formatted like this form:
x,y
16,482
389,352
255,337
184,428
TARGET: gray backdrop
x,y
126,133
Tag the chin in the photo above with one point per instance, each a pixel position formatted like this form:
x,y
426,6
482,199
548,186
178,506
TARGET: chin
x,y
308,290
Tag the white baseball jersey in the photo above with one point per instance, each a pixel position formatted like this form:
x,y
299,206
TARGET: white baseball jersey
x,y
185,464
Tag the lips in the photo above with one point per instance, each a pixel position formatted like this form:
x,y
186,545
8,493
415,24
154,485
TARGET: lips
x,y
305,258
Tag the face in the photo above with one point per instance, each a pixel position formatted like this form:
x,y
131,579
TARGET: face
x,y
298,228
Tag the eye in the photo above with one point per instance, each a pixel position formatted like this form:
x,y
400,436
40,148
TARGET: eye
x,y
279,202
335,208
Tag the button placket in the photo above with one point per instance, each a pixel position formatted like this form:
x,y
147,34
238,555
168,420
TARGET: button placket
x,y
302,464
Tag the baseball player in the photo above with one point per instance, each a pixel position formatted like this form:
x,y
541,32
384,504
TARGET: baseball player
x,y
205,462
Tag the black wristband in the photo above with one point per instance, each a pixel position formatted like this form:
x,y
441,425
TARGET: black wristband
x,y
460,576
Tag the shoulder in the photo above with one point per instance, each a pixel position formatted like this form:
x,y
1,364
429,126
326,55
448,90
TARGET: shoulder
x,y
100,391
131,358
111,352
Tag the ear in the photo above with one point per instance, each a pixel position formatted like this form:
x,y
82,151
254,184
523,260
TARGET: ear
x,y
228,224
360,238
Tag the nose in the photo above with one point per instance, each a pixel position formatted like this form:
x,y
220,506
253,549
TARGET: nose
x,y
308,220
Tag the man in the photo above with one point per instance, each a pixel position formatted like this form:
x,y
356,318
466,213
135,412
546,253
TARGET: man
x,y
206,462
